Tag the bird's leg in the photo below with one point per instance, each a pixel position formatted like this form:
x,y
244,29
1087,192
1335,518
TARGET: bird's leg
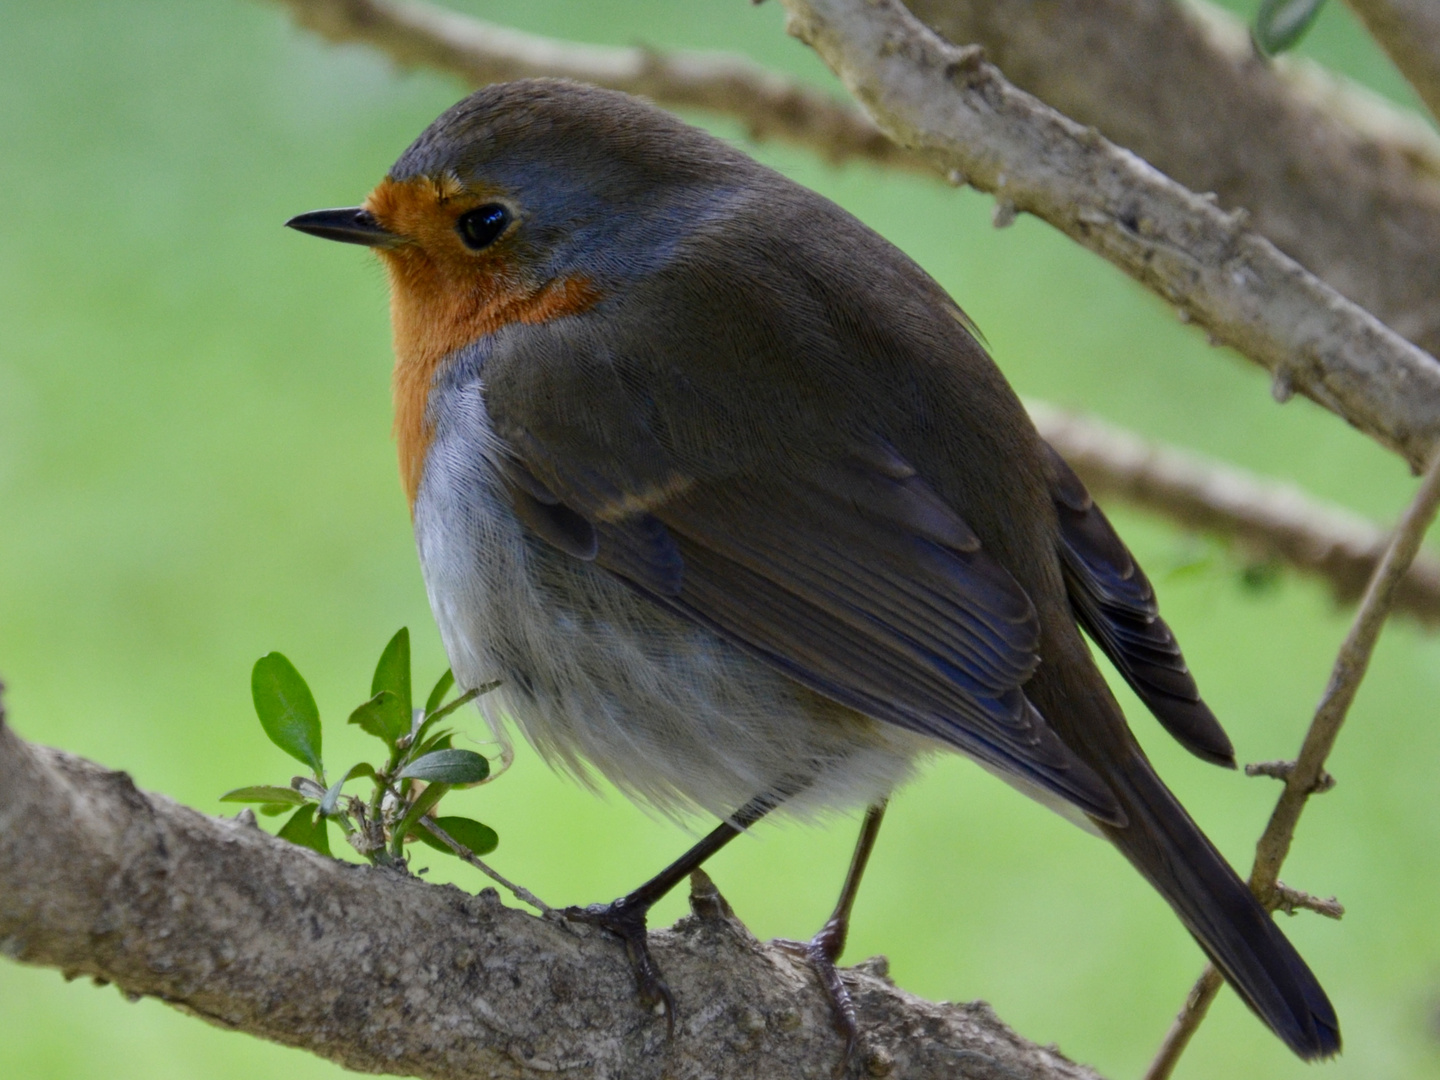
x,y
824,949
625,917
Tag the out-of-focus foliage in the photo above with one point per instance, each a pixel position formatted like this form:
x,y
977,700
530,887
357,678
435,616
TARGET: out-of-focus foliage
x,y
195,468
1280,24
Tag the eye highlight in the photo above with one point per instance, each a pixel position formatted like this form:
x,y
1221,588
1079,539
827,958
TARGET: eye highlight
x,y
481,227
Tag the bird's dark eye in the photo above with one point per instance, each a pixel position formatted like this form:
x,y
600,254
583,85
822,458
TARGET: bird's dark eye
x,y
481,227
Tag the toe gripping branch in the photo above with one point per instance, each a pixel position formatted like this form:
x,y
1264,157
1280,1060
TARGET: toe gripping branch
x,y
825,948
626,919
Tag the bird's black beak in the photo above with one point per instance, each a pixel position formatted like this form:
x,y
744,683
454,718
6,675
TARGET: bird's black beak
x,y
349,225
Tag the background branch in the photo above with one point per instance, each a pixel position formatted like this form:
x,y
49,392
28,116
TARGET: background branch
x,y
1266,520
956,109
383,973
1317,160
479,53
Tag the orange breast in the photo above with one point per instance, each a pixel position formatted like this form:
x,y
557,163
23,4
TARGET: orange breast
x,y
443,297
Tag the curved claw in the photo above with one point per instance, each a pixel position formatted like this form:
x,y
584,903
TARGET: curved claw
x,y
628,923
821,952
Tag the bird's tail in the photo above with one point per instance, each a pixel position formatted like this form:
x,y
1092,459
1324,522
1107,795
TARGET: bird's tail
x,y
1238,935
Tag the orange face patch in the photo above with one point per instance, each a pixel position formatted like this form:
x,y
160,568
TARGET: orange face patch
x,y
444,296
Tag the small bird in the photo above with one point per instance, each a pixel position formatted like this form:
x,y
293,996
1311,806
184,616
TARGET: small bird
x,y
731,497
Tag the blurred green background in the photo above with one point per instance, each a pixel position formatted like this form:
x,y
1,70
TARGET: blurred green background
x,y
195,468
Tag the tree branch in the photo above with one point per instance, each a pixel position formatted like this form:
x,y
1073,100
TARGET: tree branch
x,y
959,112
1340,180
383,973
1307,776
1409,31
479,53
1268,521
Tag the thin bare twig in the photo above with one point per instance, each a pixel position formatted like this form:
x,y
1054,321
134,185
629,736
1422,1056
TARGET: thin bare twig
x,y
1304,778
1349,670
524,895
1291,900
1268,521
1281,770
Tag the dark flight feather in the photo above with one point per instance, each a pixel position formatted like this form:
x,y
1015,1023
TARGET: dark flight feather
x,y
1115,603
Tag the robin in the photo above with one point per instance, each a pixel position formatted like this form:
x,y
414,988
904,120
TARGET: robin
x,y
728,493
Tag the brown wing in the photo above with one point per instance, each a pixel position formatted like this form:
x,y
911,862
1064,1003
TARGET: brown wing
x,y
855,580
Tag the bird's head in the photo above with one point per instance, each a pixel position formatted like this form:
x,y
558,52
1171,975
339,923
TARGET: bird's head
x,y
528,201
525,202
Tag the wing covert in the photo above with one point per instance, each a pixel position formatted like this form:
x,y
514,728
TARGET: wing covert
x,y
857,581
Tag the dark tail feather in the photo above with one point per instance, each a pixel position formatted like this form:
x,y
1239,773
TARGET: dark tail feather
x,y
1237,934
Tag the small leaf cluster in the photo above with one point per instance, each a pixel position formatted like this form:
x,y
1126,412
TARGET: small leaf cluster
x,y
420,764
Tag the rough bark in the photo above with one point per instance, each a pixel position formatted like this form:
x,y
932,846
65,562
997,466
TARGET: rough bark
x,y
1333,181
383,973
957,110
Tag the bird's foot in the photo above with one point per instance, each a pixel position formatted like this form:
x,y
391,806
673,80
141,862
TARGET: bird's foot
x,y
821,952
627,921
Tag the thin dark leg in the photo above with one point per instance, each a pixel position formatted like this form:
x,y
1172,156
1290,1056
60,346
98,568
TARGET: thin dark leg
x,y
625,917
824,949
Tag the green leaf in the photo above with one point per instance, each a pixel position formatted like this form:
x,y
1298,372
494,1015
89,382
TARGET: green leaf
x,y
480,839
275,809
384,716
438,694
439,741
327,804
448,767
286,708
263,793
432,794
393,673
305,829
1280,24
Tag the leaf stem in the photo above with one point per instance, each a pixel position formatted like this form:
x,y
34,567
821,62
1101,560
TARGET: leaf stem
x,y
520,893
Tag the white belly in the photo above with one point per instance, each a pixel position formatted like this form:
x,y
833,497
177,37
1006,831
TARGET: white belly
x,y
595,675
